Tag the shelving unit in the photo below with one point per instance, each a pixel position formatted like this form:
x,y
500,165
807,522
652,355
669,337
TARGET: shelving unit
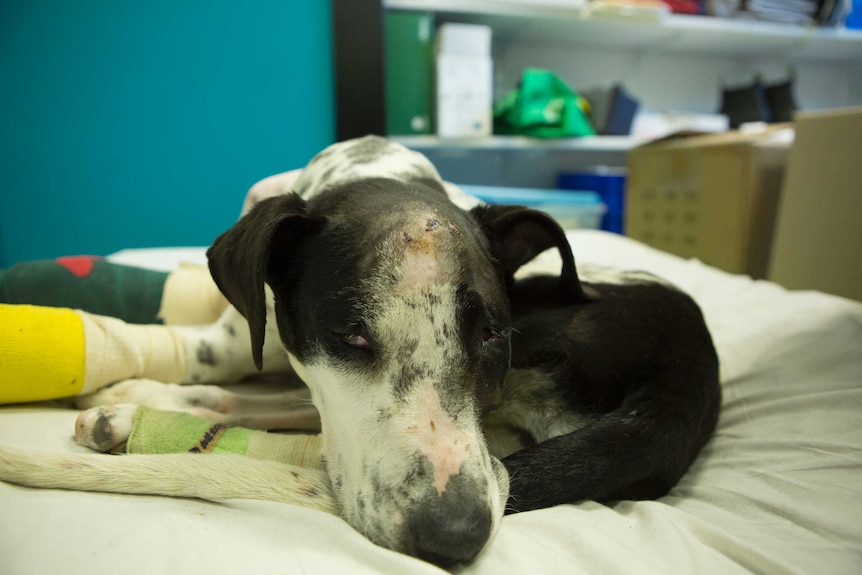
x,y
670,62
552,22
514,143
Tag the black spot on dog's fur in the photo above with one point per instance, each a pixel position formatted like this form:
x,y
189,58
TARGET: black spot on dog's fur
x,y
384,415
433,300
382,491
323,155
231,331
366,150
206,356
327,175
406,378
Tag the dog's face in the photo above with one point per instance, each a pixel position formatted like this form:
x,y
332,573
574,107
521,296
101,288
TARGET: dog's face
x,y
392,305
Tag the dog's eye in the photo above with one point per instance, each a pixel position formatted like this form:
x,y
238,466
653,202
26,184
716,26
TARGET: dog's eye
x,y
490,335
356,341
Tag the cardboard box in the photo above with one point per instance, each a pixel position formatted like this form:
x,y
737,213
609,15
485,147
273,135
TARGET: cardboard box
x,y
818,239
464,80
709,197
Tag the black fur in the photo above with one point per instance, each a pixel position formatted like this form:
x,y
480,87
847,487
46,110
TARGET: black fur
x,y
640,364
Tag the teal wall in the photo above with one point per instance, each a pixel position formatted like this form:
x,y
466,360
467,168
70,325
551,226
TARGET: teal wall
x,y
142,123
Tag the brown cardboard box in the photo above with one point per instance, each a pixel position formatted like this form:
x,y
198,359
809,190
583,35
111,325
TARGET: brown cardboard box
x,y
709,197
818,236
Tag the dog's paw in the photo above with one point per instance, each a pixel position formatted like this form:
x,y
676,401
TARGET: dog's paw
x,y
105,429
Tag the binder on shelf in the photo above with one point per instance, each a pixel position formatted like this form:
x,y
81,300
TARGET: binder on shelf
x,y
409,72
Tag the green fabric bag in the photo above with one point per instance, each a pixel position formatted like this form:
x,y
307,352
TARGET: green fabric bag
x,y
542,106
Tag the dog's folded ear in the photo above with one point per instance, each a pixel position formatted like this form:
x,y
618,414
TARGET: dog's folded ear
x,y
518,234
243,258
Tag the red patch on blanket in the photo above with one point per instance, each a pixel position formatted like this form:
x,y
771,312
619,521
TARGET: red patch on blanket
x,y
81,266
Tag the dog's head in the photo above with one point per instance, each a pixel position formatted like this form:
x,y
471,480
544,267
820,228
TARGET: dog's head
x,y
392,305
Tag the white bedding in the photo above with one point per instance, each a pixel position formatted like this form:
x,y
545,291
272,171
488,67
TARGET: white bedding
x,y
777,490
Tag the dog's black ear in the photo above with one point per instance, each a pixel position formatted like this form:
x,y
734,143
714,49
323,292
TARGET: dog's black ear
x,y
244,257
518,234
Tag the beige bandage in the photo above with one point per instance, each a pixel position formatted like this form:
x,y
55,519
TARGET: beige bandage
x,y
191,297
295,448
116,350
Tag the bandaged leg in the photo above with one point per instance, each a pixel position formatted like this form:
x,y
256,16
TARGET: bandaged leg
x,y
49,353
133,429
191,297
116,350
219,352
42,353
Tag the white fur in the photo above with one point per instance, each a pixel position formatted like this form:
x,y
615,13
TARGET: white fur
x,y
211,477
329,168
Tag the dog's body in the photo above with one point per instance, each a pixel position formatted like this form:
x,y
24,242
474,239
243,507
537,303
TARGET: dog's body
x,y
427,360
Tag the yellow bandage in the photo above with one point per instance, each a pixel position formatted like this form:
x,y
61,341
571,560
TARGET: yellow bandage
x,y
42,353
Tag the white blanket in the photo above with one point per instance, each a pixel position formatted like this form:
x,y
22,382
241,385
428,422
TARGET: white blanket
x,y
777,490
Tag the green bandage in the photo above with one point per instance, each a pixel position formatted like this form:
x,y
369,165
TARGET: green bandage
x,y
156,431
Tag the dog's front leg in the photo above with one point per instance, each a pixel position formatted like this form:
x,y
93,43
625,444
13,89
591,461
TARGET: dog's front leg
x,y
116,351
221,352
129,428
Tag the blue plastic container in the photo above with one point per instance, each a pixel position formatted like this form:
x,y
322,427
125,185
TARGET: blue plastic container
x,y
610,185
854,18
571,209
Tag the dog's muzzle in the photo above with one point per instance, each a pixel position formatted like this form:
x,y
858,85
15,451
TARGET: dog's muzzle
x,y
422,506
453,526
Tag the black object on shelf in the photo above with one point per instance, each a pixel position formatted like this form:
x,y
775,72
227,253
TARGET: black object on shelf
x,y
758,102
612,110
781,101
745,104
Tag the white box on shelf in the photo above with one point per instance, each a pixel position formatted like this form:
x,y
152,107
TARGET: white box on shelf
x,y
464,80
652,125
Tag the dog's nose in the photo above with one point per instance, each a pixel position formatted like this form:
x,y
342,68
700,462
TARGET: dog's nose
x,y
451,527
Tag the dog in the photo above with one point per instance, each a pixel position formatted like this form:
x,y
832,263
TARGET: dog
x,y
449,388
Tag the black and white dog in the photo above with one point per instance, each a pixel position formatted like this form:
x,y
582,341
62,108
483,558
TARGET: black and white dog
x,y
430,363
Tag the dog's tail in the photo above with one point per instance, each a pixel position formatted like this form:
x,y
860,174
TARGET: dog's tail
x,y
214,477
